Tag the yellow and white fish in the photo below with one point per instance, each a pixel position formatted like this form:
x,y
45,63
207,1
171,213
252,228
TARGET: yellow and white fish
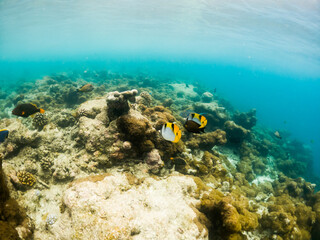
x,y
195,123
171,132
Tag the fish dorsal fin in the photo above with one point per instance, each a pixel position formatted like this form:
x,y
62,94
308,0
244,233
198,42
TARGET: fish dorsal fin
x,y
34,105
195,118
1,130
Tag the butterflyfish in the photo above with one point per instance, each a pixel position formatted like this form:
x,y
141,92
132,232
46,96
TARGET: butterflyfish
x,y
195,123
171,132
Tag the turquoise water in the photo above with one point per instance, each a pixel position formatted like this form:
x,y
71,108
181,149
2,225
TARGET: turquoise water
x,y
257,54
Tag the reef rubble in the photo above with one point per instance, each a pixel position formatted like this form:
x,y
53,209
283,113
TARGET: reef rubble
x,y
95,166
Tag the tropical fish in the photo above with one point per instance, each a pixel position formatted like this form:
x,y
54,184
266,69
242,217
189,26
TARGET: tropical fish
x,y
26,109
277,134
86,88
4,133
195,123
171,132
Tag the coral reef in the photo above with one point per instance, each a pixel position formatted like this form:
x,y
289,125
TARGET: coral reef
x,y
154,161
207,97
215,114
207,141
246,120
117,102
103,171
235,133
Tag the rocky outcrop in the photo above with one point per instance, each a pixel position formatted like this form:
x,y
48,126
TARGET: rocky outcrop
x,y
120,206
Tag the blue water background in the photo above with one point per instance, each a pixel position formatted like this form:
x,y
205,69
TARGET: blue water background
x,y
258,54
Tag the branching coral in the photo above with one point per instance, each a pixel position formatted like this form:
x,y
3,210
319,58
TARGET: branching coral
x,y
26,178
46,163
40,120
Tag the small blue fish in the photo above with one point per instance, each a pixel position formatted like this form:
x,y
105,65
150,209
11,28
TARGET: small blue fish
x,y
4,133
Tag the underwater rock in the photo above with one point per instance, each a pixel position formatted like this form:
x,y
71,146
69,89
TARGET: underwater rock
x,y
117,103
154,161
288,218
93,134
246,120
17,99
144,98
215,114
146,209
71,96
207,141
207,97
158,115
14,223
63,119
137,129
93,108
64,170
235,133
167,102
205,165
230,216
19,136
184,90
250,162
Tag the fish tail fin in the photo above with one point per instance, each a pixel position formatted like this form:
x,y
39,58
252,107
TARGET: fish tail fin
x,y
42,110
